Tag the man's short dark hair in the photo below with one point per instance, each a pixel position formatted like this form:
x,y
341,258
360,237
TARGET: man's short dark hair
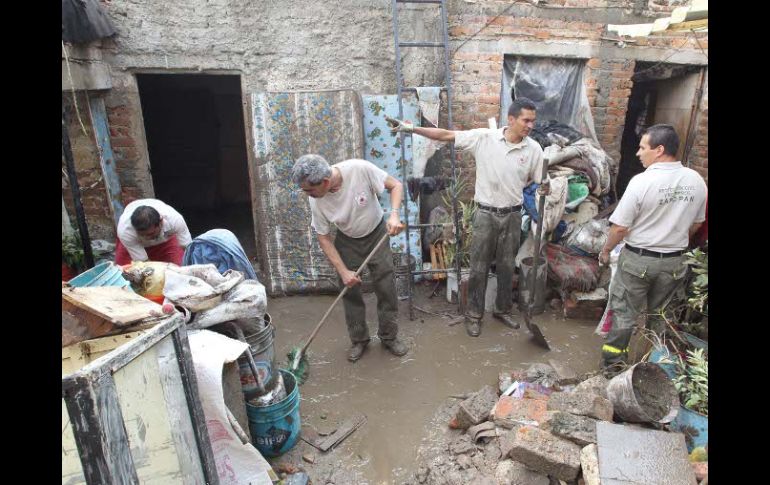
x,y
520,104
665,135
145,217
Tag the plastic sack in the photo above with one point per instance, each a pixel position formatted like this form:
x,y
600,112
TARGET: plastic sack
x,y
590,237
246,300
198,287
605,323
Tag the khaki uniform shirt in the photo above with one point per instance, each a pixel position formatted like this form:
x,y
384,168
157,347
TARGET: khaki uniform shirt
x,y
503,169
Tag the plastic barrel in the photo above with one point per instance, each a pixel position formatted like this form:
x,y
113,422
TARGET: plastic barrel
x,y
644,379
103,274
694,426
263,352
275,428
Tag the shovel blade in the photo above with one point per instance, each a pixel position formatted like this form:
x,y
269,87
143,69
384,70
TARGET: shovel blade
x,y
537,335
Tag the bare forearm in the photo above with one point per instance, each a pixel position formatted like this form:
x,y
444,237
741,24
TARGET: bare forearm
x,y
327,246
616,235
396,196
438,134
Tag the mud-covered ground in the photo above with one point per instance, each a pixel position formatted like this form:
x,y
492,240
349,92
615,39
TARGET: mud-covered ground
x,y
404,398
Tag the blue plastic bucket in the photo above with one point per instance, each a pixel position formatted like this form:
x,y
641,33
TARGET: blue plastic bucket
x,y
694,426
103,274
275,428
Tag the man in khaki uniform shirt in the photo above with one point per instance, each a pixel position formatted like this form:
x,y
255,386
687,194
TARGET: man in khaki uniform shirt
x,y
658,212
507,160
346,195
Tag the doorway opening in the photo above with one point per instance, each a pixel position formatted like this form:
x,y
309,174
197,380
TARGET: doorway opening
x,y
197,146
662,93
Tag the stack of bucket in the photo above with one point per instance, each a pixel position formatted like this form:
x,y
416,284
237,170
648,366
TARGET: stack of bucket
x,y
272,401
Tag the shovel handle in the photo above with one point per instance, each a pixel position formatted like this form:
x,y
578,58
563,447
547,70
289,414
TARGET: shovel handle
x,y
536,255
342,293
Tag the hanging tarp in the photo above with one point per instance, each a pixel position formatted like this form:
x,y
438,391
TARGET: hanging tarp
x,y
384,150
557,87
285,127
84,21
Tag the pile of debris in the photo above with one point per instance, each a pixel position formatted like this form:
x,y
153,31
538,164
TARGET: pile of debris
x,y
547,426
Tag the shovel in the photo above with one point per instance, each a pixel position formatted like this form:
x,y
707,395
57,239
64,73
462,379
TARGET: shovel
x,y
537,335
297,359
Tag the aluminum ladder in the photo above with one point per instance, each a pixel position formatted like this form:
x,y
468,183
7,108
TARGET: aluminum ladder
x,y
447,87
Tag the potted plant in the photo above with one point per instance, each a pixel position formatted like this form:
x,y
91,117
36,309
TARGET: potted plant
x,y
72,257
466,212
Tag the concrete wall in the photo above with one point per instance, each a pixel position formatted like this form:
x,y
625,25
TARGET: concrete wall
x,y
283,45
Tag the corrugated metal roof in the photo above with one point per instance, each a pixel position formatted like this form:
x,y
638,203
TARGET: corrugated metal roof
x,y
84,21
693,17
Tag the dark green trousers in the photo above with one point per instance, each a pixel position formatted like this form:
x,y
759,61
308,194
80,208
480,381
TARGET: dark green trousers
x,y
495,238
353,251
643,285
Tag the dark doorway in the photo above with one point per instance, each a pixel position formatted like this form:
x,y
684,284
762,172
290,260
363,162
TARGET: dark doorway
x,y
197,146
662,93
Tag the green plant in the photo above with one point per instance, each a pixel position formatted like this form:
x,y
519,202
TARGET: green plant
x,y
692,380
698,289
466,211
72,251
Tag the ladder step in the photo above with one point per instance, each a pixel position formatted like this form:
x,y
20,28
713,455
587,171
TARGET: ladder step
x,y
418,1
440,224
421,44
443,88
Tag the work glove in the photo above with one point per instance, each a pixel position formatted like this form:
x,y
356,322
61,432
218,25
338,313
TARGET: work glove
x,y
398,125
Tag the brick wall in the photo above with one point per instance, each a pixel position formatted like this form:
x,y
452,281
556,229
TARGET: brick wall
x,y
122,119
93,192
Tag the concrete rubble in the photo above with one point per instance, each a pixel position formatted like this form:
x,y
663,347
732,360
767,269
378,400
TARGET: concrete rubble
x,y
535,436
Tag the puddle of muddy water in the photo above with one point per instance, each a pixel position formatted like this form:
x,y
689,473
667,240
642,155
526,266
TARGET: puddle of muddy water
x,y
399,395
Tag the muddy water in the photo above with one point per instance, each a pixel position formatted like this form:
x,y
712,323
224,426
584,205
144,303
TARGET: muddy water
x,y
400,394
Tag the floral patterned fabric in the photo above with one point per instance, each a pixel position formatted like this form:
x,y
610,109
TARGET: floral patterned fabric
x,y
384,150
285,127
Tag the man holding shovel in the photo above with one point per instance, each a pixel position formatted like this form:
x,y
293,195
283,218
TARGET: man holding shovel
x,y
345,195
507,160
660,209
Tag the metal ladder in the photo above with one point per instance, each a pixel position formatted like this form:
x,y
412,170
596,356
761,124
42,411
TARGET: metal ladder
x,y
448,89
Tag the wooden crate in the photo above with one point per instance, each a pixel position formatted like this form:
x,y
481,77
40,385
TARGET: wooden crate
x,y
131,411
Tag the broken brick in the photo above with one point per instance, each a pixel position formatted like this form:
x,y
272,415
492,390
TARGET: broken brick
x,y
580,430
581,403
595,385
545,453
510,411
475,409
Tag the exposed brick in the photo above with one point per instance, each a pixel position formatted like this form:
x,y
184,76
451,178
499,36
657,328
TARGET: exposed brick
x,y
510,411
545,453
580,430
122,141
476,408
581,403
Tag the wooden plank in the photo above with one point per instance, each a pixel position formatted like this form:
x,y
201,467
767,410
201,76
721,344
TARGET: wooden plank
x,y
345,430
107,158
190,384
116,305
99,432
690,25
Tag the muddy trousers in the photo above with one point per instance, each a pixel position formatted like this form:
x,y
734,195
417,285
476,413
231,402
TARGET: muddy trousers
x,y
495,238
353,251
644,285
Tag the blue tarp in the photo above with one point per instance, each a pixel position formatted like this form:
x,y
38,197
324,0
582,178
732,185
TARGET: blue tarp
x,y
221,248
